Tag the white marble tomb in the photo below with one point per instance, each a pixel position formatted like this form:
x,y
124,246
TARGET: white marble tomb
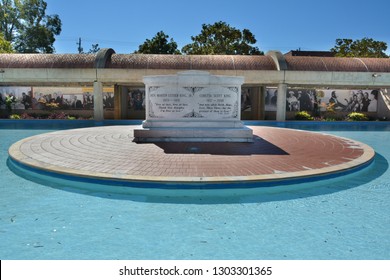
x,y
193,106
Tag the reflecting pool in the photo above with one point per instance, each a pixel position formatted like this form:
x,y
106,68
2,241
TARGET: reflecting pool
x,y
346,217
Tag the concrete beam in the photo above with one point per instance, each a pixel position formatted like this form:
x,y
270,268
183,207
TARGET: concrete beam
x,y
279,60
133,77
103,57
30,76
343,79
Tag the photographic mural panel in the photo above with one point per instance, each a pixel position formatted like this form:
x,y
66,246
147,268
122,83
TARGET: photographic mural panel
x,y
62,98
81,98
246,99
20,96
136,99
341,100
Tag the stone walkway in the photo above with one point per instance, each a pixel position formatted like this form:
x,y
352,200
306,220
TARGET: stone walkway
x,y
110,153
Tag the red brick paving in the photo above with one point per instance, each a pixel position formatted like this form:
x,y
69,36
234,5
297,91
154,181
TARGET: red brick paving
x,y
109,152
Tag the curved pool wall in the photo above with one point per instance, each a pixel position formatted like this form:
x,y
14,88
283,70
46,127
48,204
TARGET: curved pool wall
x,y
45,175
172,189
326,126
61,124
309,125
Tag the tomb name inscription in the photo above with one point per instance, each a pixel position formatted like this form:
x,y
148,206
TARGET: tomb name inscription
x,y
206,103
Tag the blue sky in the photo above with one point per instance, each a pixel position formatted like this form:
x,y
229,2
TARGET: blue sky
x,y
277,25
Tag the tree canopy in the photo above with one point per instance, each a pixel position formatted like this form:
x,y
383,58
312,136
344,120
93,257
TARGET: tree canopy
x,y
159,44
5,46
25,24
221,38
365,47
94,48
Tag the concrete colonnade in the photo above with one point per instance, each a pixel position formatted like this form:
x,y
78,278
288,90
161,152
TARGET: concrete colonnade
x,y
124,71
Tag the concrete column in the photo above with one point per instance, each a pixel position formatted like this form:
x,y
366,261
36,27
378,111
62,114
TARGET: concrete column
x,y
281,103
120,102
98,112
117,102
123,101
261,104
258,103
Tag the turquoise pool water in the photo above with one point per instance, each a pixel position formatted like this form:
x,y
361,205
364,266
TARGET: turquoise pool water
x,y
341,218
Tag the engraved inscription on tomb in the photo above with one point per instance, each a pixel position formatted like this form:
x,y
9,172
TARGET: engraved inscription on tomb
x,y
210,102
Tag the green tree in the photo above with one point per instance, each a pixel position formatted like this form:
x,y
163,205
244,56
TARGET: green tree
x,y
94,48
9,15
5,46
25,24
159,44
221,38
365,47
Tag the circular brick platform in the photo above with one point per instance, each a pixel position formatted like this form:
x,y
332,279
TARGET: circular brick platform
x,y
109,153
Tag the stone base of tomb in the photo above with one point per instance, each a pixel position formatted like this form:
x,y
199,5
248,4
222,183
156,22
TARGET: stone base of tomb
x,y
154,131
